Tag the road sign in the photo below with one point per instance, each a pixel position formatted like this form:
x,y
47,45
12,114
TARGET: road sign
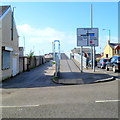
x,y
87,36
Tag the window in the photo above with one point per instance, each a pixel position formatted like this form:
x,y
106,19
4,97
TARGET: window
x,y
106,55
5,60
117,51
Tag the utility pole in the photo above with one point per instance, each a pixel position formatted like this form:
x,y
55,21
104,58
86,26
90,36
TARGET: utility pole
x,y
43,51
53,49
91,24
92,47
39,50
91,16
24,45
109,33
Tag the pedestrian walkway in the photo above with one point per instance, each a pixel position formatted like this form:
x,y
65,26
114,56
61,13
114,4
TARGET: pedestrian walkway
x,y
37,77
70,73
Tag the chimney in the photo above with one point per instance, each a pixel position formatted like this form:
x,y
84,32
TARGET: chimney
x,y
108,41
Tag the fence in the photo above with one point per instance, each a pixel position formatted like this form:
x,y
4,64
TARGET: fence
x,y
78,59
26,63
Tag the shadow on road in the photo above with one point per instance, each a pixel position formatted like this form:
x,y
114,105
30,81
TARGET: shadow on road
x,y
87,78
36,77
42,77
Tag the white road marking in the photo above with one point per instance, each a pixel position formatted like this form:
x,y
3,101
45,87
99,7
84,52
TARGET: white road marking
x,y
19,106
101,101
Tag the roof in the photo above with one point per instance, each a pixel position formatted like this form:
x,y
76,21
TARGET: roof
x,y
77,50
113,45
3,9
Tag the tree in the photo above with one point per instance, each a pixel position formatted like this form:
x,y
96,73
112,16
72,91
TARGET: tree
x,y
31,54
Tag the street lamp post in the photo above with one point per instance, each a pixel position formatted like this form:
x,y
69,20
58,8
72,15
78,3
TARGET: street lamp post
x,y
109,32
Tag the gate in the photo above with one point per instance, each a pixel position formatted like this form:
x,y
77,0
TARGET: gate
x,y
14,66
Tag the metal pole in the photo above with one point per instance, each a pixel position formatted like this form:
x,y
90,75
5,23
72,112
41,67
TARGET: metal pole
x,y
54,51
109,41
91,16
94,58
109,34
56,65
92,47
57,57
24,46
91,56
81,61
59,49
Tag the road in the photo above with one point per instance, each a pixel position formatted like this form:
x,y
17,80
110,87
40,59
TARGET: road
x,y
75,101
33,95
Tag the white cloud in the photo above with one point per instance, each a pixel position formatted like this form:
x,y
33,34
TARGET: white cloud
x,y
35,36
41,35
41,39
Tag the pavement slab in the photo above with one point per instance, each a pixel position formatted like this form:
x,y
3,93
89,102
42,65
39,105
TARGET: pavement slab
x,y
70,74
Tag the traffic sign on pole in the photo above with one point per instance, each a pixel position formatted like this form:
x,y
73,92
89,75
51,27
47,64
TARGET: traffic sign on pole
x,y
87,37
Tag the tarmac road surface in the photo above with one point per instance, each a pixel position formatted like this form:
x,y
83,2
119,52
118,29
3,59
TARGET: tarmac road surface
x,y
98,100
36,96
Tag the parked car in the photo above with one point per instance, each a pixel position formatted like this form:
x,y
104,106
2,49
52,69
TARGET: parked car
x,y
113,63
102,63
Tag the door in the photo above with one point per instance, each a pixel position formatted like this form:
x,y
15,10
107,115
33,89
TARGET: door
x,y
14,66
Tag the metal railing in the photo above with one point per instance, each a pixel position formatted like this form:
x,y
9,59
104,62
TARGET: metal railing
x,y
57,64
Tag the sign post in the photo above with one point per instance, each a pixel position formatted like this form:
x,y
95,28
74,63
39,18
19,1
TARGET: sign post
x,y
81,62
88,37
94,58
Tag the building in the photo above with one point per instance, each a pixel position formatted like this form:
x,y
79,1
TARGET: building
x,y
111,49
86,51
9,50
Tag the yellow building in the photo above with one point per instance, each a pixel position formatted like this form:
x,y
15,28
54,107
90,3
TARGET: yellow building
x,y
111,49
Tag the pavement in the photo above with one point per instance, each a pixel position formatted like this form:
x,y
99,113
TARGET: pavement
x,y
69,74
40,76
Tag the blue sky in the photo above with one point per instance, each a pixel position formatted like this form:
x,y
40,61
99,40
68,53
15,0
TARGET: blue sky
x,y
43,22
